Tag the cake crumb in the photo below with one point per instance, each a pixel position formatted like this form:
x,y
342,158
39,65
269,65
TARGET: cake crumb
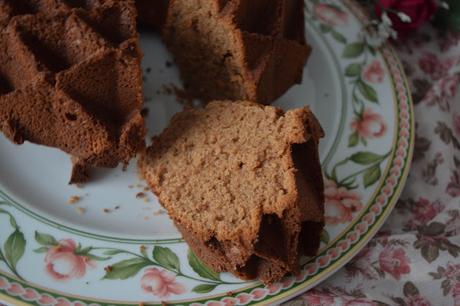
x,y
107,210
168,64
140,195
159,212
80,210
148,70
146,218
146,188
108,269
73,200
142,248
117,207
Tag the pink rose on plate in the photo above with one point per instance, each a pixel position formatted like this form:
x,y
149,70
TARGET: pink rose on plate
x,y
417,300
373,73
318,298
394,261
160,283
369,125
330,15
340,203
63,264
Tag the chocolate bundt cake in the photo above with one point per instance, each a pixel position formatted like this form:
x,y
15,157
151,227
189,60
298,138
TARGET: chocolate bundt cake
x,y
70,78
237,49
243,184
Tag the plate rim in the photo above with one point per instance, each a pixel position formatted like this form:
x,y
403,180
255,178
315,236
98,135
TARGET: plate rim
x,y
363,240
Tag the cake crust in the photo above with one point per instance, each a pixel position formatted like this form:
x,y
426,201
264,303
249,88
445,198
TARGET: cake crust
x,y
243,184
237,49
70,78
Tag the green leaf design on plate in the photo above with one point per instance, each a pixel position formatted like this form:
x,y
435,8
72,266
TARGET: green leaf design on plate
x,y
166,258
204,288
368,92
339,37
40,250
12,221
126,268
14,247
371,175
353,70
409,289
45,239
112,252
200,268
98,258
325,28
353,140
353,50
325,237
365,158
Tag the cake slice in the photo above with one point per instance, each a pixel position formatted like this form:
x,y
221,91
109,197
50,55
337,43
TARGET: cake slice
x,y
70,78
237,49
243,184
152,13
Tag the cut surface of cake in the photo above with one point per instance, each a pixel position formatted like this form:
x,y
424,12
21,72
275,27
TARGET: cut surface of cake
x,y
243,184
70,78
237,49
152,13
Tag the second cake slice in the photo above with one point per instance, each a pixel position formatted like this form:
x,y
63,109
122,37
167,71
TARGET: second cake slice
x,y
243,184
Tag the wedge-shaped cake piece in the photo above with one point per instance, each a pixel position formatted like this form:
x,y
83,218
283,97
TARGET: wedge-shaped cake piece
x,y
70,78
237,49
243,184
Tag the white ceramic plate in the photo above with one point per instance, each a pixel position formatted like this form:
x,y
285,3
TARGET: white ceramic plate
x,y
116,246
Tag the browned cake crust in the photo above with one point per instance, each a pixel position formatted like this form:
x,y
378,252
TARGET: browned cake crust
x,y
237,49
152,13
243,184
70,78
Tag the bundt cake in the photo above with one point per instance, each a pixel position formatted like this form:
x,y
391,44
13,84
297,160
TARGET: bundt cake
x,y
237,49
243,184
70,78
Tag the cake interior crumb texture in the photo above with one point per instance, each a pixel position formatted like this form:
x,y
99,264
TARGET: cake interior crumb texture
x,y
237,49
70,78
243,184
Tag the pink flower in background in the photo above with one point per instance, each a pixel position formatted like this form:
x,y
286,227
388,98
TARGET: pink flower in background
x,y
457,124
330,15
449,86
425,211
452,272
430,64
369,125
317,298
453,187
456,294
160,283
417,300
394,261
63,264
360,302
373,73
340,203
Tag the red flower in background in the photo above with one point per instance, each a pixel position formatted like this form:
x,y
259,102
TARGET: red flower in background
x,y
419,11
